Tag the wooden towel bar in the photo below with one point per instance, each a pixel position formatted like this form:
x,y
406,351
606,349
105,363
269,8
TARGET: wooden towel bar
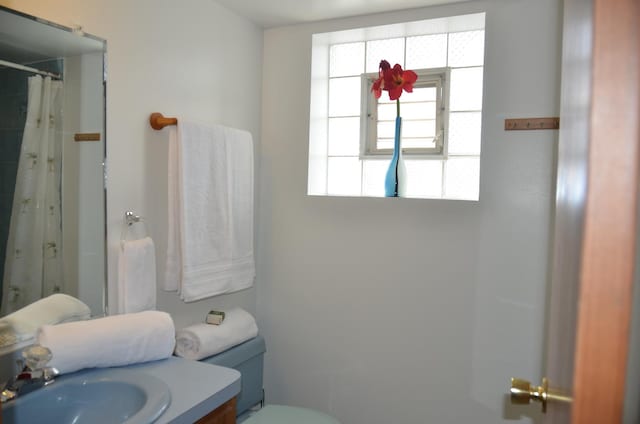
x,y
158,121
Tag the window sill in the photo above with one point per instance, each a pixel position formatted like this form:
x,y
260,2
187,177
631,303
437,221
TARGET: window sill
x,y
355,196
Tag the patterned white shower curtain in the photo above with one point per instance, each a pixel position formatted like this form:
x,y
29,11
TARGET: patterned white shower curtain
x,y
33,263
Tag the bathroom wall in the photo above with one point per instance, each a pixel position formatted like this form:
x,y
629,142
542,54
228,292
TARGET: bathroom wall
x,y
176,58
403,310
83,205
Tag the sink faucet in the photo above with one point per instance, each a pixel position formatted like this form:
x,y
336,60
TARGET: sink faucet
x,y
33,376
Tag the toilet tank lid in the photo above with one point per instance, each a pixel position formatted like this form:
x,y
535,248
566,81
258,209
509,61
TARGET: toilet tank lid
x,y
239,354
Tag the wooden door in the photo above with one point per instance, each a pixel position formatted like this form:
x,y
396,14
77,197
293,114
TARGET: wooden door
x,y
596,209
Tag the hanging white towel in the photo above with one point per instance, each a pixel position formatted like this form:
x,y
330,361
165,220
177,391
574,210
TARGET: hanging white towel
x,y
137,275
109,342
173,265
200,341
210,243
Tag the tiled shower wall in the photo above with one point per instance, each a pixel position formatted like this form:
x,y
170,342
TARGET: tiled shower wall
x,y
13,112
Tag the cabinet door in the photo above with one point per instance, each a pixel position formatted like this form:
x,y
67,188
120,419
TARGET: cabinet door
x,y
224,414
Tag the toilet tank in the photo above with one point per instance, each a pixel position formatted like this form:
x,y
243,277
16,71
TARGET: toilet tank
x,y
248,358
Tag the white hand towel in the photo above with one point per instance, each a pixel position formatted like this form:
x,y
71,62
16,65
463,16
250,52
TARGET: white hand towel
x,y
109,342
54,309
203,340
137,275
210,242
173,266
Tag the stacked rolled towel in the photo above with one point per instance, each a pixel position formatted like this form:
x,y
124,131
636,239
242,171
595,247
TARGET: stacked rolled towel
x,y
109,342
55,309
203,340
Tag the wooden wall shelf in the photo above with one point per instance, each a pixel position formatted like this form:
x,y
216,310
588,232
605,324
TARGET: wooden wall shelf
x,y
87,137
523,124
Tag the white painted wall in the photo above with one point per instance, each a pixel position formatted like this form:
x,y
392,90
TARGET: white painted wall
x,y
191,59
400,310
91,249
83,201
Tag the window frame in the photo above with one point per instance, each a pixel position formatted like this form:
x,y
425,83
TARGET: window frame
x,y
439,78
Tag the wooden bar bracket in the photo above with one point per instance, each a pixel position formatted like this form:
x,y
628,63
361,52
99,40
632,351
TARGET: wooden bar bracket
x,y
87,137
532,124
158,121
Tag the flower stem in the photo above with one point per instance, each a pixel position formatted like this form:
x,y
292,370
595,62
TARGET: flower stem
x,y
397,107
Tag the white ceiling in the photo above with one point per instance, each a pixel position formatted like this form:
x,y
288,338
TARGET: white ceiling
x,y
272,13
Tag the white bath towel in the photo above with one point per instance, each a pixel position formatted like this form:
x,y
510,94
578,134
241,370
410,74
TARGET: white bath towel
x,y
55,309
137,275
203,340
210,242
109,342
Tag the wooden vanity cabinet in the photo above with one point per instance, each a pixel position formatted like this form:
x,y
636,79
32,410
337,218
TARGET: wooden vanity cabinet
x,y
224,414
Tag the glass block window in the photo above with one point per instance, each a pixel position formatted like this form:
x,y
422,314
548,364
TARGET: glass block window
x,y
351,133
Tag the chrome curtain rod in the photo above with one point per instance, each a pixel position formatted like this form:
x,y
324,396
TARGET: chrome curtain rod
x,y
29,69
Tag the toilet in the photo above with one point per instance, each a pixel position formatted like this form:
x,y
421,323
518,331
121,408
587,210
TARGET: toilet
x,y
248,358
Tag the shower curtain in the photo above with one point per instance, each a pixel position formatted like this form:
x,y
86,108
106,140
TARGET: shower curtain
x,y
33,263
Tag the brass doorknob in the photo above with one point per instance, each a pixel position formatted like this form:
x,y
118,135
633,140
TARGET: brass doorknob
x,y
522,392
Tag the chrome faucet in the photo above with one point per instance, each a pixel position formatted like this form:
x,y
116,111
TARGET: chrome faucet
x,y
33,376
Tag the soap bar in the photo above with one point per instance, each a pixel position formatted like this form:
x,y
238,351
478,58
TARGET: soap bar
x,y
215,317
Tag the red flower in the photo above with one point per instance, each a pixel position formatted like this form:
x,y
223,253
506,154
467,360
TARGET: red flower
x,y
394,80
397,80
378,84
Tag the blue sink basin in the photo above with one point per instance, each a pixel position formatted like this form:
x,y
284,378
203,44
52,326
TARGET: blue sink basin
x,y
106,396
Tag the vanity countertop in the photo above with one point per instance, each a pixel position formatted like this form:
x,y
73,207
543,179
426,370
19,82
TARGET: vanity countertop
x,y
197,388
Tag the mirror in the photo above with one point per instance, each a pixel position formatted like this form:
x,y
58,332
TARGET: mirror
x,y
53,150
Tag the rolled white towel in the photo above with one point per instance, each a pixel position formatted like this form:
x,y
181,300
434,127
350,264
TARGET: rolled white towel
x,y
202,340
54,309
109,342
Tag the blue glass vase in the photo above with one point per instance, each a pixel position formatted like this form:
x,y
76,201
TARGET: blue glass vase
x,y
395,180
